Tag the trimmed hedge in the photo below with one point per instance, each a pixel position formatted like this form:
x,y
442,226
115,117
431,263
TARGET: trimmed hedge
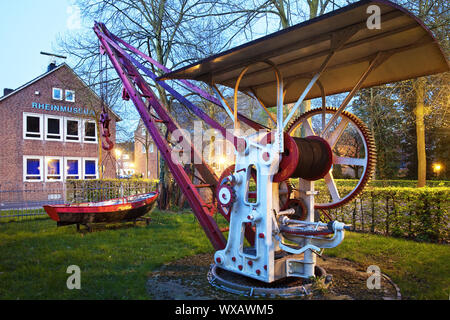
x,y
98,190
390,183
416,213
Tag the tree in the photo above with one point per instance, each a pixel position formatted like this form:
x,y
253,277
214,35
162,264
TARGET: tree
x,y
377,108
435,16
164,29
406,115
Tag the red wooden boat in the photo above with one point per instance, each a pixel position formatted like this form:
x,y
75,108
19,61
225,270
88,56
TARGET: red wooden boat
x,y
121,209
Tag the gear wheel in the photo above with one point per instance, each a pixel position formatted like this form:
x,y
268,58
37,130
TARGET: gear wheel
x,y
225,194
370,151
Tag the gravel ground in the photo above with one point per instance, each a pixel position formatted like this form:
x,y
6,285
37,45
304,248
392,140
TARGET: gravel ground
x,y
186,279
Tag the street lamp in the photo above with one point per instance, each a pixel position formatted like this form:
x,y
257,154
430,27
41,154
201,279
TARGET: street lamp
x,y
437,167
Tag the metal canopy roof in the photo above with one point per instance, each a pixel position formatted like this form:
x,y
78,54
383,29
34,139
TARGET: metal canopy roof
x,y
300,50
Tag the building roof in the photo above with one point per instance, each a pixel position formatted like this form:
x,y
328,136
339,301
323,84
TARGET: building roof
x,y
48,73
299,51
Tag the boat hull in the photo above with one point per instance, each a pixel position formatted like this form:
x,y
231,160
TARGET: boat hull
x,y
115,210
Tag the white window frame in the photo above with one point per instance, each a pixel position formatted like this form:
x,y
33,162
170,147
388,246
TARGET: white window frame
x,y
151,148
84,167
41,171
79,129
66,167
41,127
53,94
84,131
61,169
73,95
61,126
144,149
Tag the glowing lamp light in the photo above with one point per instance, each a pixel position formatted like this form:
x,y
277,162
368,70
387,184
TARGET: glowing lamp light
x,y
118,153
222,160
437,167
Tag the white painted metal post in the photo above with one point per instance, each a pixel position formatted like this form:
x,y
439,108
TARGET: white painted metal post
x,y
307,193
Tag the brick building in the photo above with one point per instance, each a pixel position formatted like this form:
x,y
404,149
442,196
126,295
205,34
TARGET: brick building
x,y
125,159
146,154
49,133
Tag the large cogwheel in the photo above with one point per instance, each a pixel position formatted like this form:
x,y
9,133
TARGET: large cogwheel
x,y
352,145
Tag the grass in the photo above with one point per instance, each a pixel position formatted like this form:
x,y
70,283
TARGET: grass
x,y
115,261
421,270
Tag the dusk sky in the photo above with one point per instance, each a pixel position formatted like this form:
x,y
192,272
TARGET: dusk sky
x,y
27,28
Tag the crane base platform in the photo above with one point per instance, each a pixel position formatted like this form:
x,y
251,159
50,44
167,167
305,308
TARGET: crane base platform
x,y
290,287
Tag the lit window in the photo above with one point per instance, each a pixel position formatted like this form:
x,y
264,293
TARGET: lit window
x,y
53,128
73,168
32,126
70,95
57,94
32,168
72,129
126,157
90,168
53,168
90,131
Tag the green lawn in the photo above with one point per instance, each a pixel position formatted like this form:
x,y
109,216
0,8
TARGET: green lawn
x,y
421,270
115,261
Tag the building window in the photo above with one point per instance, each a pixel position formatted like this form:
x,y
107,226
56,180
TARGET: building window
x,y
53,128
72,129
32,168
70,95
73,168
151,148
90,168
57,94
143,148
90,131
143,131
53,169
32,126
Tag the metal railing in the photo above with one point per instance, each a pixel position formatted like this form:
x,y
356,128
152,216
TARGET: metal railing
x,y
24,202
